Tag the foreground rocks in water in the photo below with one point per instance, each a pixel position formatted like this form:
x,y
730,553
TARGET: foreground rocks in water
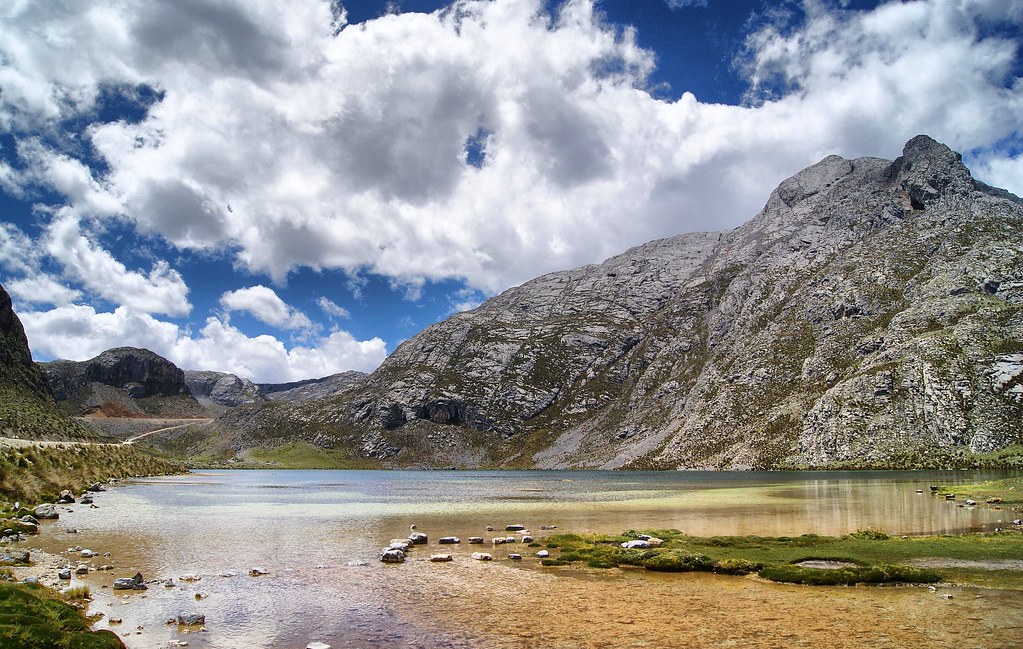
x,y
46,511
130,583
475,540
65,497
191,619
449,540
441,558
390,555
482,556
418,538
257,572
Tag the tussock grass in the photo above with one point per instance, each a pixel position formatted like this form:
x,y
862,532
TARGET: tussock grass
x,y
33,617
39,473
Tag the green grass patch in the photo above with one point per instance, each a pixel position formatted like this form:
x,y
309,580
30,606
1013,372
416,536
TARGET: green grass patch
x,y
878,557
1008,491
302,455
850,575
33,617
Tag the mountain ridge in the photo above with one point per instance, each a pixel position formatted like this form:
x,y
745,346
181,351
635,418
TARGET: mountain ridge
x,y
840,324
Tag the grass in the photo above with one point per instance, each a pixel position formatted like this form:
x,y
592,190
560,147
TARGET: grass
x,y
878,557
39,473
34,617
1008,491
302,455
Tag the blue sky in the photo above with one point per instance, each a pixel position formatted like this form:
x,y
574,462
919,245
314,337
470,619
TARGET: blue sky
x,y
287,190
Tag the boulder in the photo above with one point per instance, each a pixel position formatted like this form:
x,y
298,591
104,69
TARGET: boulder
x,y
543,554
515,557
637,544
417,538
257,572
392,556
46,510
448,540
514,528
441,558
191,619
86,499
14,557
64,574
96,486
130,583
65,497
527,539
82,569
482,556
475,540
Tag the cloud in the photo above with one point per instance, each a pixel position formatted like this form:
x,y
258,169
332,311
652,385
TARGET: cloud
x,y
42,289
681,4
332,309
347,150
80,332
265,305
161,290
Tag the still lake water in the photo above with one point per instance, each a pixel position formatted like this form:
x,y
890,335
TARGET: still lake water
x,y
318,534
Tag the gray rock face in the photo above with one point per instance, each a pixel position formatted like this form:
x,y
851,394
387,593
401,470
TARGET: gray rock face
x,y
312,388
17,370
125,381
221,389
870,313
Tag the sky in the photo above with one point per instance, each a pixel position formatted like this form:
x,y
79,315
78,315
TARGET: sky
x,y
285,190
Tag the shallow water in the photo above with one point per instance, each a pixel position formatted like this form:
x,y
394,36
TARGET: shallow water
x,y
318,533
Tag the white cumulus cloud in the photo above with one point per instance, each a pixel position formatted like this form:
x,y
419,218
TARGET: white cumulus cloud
x,y
264,304
78,332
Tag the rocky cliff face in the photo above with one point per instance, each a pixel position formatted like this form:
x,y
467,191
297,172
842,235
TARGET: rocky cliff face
x,y
219,390
870,314
27,408
122,382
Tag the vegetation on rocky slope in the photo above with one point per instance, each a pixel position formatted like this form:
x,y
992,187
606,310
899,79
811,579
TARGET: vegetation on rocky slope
x,y
34,617
33,474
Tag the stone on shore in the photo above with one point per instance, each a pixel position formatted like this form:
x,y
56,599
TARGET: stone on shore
x,y
475,540
14,557
514,528
65,497
257,572
448,540
417,538
46,510
637,544
441,558
130,583
191,619
482,556
543,554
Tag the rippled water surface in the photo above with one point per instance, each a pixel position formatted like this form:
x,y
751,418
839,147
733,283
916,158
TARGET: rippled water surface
x,y
318,534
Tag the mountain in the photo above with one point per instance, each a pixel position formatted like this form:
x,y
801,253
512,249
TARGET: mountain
x,y
311,388
869,315
122,382
27,408
217,391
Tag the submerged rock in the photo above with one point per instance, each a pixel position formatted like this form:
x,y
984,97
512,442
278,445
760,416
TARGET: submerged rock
x,y
392,556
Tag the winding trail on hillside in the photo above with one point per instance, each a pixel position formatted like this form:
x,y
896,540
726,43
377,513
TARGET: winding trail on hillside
x,y
191,422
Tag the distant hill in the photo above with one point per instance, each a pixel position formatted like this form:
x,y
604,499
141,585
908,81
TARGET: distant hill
x,y
870,315
122,382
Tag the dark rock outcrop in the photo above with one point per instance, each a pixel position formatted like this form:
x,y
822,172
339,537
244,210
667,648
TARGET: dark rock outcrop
x,y
120,382
17,370
220,389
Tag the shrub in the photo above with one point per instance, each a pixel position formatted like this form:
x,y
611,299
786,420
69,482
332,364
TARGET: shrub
x,y
736,567
675,561
869,534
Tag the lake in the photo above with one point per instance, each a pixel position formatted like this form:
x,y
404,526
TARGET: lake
x,y
318,535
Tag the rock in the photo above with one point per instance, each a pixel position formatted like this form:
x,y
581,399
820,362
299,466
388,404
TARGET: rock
x,y
317,645
190,578
95,487
515,557
82,569
257,572
65,497
475,540
637,544
970,502
29,519
12,557
400,545
514,527
392,556
482,556
527,539
448,540
88,554
543,554
191,619
500,540
46,511
993,501
655,542
441,558
417,538
105,566
64,574
489,528
547,528
86,500
130,583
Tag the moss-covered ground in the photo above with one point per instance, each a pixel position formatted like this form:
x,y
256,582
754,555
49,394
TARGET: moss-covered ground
x,y
34,617
873,556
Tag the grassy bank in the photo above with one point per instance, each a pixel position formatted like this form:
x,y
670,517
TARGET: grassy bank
x,y
867,556
34,474
34,617
1007,492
